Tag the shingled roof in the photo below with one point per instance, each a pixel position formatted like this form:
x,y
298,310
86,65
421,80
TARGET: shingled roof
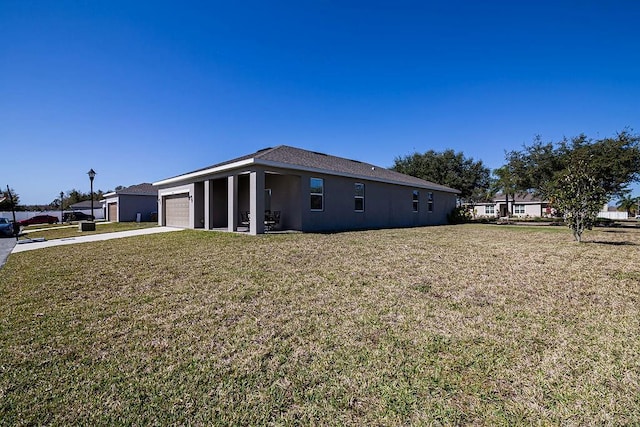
x,y
284,156
144,189
519,198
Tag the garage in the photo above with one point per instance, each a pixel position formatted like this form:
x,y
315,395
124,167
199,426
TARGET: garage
x,y
112,211
176,210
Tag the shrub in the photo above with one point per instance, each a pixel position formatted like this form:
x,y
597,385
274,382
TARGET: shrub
x,y
459,215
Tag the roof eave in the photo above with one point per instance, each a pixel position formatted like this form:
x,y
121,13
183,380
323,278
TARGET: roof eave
x,y
281,165
204,172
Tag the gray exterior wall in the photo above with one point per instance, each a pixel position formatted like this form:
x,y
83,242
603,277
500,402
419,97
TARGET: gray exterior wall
x,y
198,204
286,198
386,205
129,206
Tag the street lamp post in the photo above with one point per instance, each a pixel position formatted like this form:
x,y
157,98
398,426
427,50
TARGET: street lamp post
x,y
61,207
92,174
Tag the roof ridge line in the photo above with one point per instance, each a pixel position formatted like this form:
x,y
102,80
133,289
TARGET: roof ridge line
x,y
267,150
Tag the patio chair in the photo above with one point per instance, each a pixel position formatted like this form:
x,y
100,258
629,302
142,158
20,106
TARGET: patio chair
x,y
244,218
275,217
268,220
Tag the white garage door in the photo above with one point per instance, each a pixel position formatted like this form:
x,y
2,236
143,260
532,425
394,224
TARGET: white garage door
x,y
176,211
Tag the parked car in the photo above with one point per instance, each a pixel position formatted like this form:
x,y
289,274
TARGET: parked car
x,y
77,216
39,219
6,227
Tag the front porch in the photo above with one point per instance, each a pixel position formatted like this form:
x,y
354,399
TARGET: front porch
x,y
248,202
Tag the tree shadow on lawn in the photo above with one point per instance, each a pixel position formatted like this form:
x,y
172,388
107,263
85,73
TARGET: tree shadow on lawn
x,y
602,242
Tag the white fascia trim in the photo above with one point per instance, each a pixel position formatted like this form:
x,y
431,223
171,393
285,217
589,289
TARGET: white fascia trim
x,y
349,175
204,172
170,192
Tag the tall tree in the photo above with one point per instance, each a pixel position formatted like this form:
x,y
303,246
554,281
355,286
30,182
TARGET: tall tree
x,y
612,162
578,175
5,203
447,168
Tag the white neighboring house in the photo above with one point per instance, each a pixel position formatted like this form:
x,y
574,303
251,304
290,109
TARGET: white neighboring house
x,y
523,205
527,206
610,212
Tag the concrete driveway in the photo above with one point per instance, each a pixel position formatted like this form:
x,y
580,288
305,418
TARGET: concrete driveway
x,y
6,245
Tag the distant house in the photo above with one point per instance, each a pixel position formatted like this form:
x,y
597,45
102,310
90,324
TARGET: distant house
x,y
126,204
611,212
522,205
290,188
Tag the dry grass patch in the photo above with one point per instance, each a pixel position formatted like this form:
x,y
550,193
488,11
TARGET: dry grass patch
x,y
442,325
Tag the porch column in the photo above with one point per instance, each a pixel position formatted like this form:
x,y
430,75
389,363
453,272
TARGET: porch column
x,y
256,202
232,202
208,211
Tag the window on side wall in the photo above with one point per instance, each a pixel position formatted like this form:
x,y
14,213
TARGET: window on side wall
x,y
518,209
316,189
358,197
429,201
489,210
416,196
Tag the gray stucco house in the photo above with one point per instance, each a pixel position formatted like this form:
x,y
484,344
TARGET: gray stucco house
x,y
302,190
125,204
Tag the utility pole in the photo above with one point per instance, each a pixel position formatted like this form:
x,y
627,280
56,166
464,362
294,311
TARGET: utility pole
x,y
16,227
61,208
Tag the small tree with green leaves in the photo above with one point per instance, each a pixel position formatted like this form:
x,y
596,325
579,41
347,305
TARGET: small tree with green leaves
x,y
6,204
579,196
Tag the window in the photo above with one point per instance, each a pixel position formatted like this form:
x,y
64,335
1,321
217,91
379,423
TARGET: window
x,y
416,195
518,209
316,189
358,197
489,210
429,202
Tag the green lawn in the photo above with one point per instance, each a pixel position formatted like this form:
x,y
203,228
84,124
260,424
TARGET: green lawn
x,y
471,324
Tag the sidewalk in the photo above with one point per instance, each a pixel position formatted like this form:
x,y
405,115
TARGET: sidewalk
x,y
6,245
26,245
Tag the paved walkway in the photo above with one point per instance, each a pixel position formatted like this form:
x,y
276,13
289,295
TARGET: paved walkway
x,y
27,245
6,245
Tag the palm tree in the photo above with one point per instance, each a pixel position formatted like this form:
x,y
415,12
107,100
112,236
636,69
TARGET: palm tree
x,y
629,204
505,183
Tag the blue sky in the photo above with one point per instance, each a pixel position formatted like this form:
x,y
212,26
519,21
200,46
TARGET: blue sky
x,y
141,91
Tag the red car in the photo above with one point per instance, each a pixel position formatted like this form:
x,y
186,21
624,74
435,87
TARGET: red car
x,y
39,219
